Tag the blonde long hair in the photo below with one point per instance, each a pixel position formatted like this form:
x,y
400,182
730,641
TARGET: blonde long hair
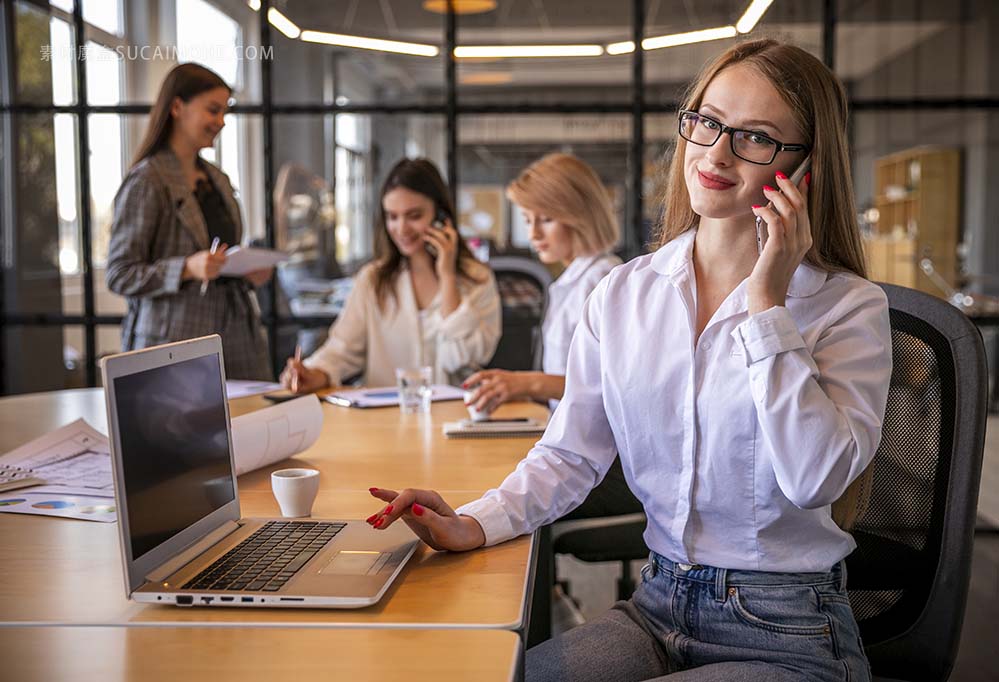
x,y
818,105
566,188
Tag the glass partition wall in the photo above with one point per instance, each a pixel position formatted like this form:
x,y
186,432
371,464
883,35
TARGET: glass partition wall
x,y
328,95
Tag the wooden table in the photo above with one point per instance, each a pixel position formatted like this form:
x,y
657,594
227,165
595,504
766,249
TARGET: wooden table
x,y
68,572
165,654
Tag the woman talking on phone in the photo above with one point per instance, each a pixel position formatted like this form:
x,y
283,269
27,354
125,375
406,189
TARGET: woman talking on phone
x,y
744,391
174,216
423,301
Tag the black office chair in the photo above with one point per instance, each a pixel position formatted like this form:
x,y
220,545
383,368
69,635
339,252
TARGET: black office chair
x,y
908,578
523,287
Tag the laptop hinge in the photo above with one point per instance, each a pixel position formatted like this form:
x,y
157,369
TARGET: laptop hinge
x,y
192,552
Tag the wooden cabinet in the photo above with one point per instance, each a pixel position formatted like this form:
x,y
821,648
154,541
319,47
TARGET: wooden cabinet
x,y
917,197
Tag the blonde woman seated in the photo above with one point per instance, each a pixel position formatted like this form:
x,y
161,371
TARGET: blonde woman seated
x,y
572,223
423,301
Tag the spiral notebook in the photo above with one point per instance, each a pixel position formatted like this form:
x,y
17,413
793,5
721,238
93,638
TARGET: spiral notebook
x,y
494,428
13,477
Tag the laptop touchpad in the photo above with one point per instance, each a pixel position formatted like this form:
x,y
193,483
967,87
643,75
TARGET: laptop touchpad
x,y
349,562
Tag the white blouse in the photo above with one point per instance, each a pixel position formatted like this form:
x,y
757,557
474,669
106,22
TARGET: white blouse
x,y
366,339
566,296
736,444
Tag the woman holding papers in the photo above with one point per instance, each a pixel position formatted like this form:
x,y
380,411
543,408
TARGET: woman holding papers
x,y
174,217
423,301
743,387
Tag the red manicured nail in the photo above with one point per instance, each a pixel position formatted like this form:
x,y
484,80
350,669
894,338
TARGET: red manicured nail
x,y
372,490
371,518
781,176
808,178
388,510
378,523
768,188
418,510
757,206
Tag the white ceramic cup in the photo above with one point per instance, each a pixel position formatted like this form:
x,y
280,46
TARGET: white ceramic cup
x,y
295,490
476,414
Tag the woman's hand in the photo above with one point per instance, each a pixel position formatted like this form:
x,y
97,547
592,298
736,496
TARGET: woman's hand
x,y
298,378
204,265
498,386
430,517
790,239
258,278
445,240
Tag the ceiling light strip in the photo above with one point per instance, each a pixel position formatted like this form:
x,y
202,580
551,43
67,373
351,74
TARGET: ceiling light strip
x,y
396,46
752,15
517,51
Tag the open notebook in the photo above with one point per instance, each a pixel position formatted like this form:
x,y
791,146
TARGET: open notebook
x,y
494,428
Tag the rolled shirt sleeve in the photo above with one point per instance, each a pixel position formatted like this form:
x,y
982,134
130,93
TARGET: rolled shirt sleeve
x,y
572,456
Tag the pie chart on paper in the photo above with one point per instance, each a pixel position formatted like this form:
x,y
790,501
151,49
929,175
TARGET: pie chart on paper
x,y
53,504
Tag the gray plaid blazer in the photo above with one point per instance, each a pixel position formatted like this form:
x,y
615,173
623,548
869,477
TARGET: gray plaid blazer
x,y
157,224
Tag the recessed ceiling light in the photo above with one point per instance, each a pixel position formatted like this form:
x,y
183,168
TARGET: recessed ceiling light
x,y
460,6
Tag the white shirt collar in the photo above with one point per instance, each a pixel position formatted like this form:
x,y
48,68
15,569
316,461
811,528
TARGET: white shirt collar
x,y
576,268
675,256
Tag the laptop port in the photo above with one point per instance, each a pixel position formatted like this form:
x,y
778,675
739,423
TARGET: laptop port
x,y
184,600
246,600
226,598
207,600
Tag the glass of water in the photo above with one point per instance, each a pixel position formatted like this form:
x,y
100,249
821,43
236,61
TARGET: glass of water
x,y
415,389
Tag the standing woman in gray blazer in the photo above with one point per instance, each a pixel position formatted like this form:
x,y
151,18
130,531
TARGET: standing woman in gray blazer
x,y
170,210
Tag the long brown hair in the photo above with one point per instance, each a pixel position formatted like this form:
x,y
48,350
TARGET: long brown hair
x,y
567,188
184,81
420,176
818,104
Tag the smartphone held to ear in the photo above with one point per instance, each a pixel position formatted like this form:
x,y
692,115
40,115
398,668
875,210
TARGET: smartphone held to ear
x,y
440,219
761,227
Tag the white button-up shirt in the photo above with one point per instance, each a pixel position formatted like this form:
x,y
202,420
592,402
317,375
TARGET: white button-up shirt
x,y
737,444
566,296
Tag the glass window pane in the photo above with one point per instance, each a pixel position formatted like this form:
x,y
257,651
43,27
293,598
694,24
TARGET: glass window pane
x,y
494,149
325,196
63,63
917,49
64,5
104,14
39,56
922,182
318,67
668,70
39,359
41,238
104,74
566,29
224,37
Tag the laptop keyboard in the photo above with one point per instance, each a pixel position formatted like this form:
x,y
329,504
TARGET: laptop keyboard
x,y
266,560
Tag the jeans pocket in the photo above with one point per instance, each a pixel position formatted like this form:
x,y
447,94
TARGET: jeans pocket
x,y
788,610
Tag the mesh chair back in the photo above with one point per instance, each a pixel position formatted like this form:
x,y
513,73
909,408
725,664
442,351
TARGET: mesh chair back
x,y
908,577
523,288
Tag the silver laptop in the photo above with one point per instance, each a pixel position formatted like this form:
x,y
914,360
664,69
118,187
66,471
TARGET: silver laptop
x,y
182,539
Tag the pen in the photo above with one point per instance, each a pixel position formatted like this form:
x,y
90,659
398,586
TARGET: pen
x,y
294,376
215,246
337,400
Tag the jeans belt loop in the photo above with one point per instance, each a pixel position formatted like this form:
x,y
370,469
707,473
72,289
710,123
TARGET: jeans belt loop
x,y
842,575
721,578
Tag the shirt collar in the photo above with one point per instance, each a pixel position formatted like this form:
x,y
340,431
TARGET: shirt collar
x,y
576,269
675,256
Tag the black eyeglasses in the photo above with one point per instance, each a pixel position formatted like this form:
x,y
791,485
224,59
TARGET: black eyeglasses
x,y
748,145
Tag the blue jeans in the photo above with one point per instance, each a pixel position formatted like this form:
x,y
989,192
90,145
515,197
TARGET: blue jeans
x,y
713,624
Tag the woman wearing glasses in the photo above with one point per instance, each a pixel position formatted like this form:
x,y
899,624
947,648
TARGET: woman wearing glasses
x,y
744,391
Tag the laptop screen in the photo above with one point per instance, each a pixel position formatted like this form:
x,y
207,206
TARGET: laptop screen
x,y
174,448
